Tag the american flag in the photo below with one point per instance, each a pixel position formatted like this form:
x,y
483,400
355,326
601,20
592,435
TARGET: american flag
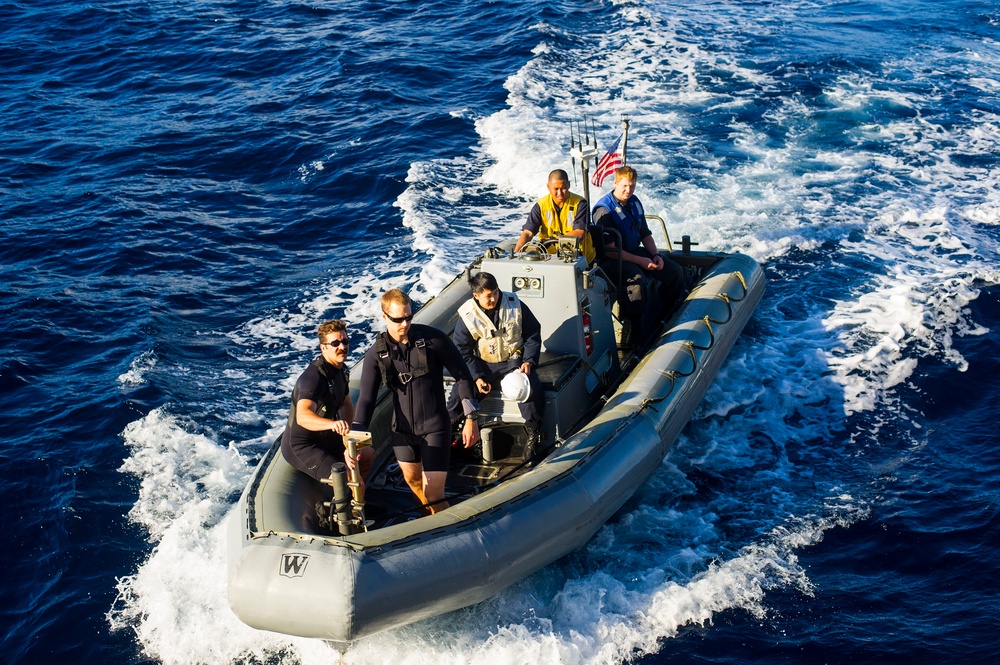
x,y
607,164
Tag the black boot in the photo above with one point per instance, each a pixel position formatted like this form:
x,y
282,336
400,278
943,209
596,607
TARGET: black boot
x,y
531,444
626,334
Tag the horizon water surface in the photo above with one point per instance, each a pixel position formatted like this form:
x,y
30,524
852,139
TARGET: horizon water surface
x,y
187,189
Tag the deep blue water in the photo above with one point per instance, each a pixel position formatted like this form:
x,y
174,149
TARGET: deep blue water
x,y
186,189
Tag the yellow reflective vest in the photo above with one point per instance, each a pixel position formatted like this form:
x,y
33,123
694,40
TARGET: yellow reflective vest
x,y
560,223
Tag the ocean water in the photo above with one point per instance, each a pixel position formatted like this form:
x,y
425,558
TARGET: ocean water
x,y
187,189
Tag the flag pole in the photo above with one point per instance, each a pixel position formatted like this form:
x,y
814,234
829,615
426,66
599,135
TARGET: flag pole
x,y
625,126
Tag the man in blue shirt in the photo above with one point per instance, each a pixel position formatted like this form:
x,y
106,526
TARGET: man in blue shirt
x,y
652,284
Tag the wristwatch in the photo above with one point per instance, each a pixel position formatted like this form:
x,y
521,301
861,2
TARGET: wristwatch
x,y
472,416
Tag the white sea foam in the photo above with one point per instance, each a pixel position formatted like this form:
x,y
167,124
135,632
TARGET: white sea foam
x,y
136,374
440,228
909,312
308,172
176,600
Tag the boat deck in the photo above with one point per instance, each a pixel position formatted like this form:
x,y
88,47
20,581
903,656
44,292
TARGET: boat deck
x,y
390,501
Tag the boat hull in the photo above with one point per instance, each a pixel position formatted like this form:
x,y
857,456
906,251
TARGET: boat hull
x,y
284,578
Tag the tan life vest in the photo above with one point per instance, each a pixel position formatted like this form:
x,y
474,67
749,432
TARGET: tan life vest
x,y
555,224
496,343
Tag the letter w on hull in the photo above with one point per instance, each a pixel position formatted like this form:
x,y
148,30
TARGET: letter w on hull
x,y
293,565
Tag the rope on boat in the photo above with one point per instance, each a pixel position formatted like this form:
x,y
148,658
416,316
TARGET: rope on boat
x,y
650,401
601,380
724,297
738,275
729,300
711,334
672,374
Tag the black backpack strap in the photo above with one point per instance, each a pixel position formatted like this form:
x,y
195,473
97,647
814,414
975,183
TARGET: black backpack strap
x,y
422,365
384,361
337,390
390,376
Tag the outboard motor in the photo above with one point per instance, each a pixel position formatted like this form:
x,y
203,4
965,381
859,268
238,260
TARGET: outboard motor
x,y
339,511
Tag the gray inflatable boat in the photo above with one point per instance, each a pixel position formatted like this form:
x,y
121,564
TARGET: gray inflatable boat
x,y
612,413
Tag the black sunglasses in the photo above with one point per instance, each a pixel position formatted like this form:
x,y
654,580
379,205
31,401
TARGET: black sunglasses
x,y
337,343
397,319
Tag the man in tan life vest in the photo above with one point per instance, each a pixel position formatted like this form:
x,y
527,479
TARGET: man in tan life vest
x,y
498,335
559,213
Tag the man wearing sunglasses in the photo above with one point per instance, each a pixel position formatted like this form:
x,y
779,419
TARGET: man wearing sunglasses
x,y
410,359
322,410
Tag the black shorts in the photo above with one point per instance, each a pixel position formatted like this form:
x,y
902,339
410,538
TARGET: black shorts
x,y
314,459
432,450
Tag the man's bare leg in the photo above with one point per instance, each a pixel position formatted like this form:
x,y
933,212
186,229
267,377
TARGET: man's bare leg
x,y
413,474
434,490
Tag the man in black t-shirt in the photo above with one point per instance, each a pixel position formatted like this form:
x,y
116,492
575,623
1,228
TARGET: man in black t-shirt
x,y
322,410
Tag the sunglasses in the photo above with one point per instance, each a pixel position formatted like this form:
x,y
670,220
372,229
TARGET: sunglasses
x,y
337,343
398,319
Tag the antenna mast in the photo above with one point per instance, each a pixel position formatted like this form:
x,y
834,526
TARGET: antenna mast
x,y
587,150
572,149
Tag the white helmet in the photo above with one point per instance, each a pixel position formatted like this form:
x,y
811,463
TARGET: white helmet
x,y
515,387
